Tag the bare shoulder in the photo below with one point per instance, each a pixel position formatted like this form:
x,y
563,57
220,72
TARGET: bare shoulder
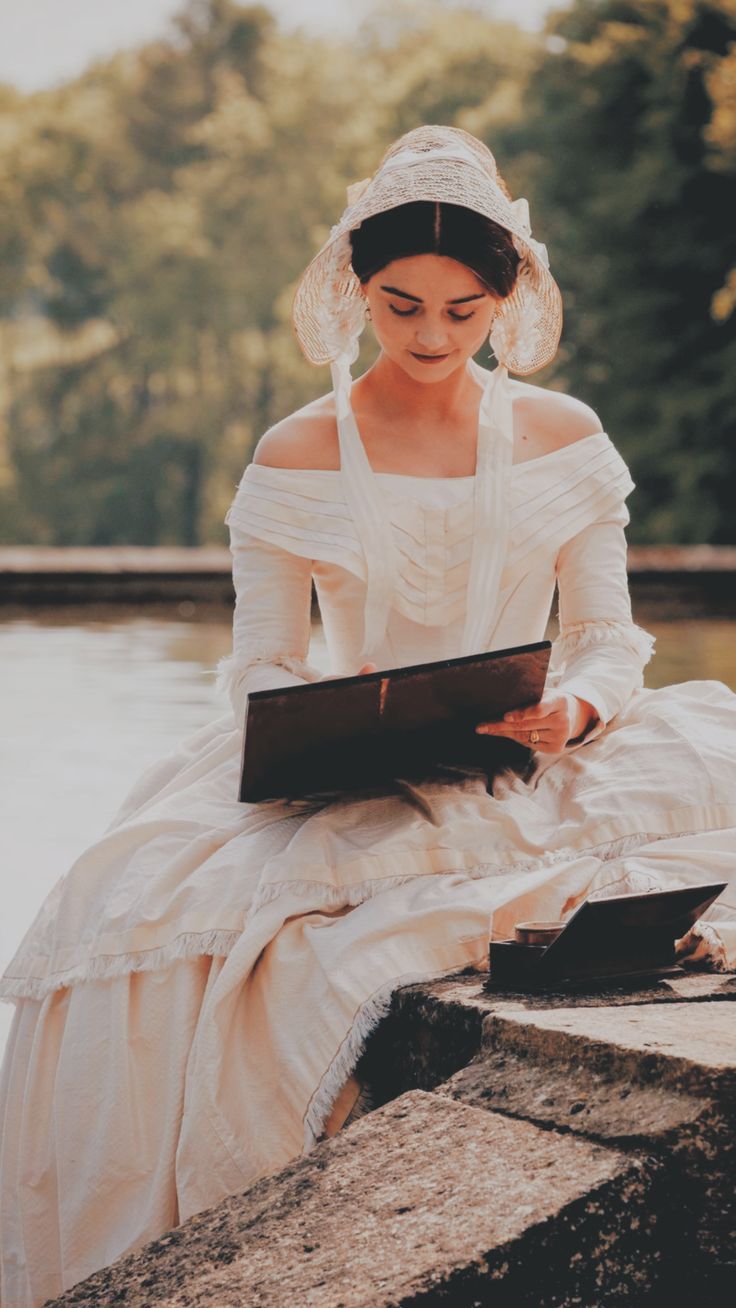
x,y
552,419
306,438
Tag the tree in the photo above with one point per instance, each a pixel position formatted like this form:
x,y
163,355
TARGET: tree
x,y
160,209
628,146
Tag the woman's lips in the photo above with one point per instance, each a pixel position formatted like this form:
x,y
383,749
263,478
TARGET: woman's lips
x,y
429,358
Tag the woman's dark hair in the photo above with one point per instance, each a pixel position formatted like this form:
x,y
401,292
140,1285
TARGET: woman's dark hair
x,y
434,227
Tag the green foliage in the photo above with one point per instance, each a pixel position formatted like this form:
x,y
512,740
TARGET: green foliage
x,y
159,210
628,145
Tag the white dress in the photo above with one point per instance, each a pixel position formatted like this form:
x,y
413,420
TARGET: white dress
x,y
195,992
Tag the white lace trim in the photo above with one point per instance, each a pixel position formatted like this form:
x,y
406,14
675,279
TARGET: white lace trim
x,y
103,967
580,636
219,942
232,668
331,896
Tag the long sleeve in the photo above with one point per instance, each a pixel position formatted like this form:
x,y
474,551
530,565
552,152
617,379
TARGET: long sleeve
x,y
600,653
271,621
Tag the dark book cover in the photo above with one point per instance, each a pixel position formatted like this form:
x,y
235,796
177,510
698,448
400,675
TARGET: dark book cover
x,y
347,733
608,938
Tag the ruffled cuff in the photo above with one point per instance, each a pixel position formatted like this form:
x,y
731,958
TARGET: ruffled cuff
x,y
582,636
260,669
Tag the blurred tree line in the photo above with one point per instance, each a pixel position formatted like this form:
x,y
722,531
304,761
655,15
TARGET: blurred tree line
x,y
157,213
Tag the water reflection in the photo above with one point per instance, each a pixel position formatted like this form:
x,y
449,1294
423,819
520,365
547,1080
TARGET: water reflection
x,y
90,698
691,650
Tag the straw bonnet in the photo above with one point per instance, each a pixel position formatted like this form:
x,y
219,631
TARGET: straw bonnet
x,y
443,164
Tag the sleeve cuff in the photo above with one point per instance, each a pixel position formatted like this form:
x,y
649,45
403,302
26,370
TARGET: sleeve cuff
x,y
265,672
581,689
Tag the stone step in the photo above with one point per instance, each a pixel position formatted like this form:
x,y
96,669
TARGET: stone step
x,y
679,1035
652,1071
424,1201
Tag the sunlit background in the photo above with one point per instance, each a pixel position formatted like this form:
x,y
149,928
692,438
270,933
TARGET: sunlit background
x,y
167,170
45,42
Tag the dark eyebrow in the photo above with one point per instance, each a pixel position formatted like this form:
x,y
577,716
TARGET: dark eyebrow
x,y
394,290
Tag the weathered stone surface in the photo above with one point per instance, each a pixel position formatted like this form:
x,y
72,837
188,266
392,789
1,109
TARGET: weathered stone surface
x,y
575,1098
468,990
650,1070
425,1201
431,1032
673,1033
577,1149
691,986
688,1047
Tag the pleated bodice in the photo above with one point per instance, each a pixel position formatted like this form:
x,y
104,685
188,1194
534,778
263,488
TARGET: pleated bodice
x,y
431,521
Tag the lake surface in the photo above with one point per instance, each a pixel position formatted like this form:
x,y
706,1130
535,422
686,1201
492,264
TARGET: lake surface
x,y
89,698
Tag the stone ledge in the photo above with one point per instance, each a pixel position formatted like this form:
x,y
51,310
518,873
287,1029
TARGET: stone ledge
x,y
679,1032
575,1098
652,1071
575,1150
666,581
652,560
386,1214
689,1048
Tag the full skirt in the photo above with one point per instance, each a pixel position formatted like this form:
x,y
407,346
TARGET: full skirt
x,y
195,992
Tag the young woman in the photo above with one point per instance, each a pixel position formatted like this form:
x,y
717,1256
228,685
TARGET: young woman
x,y
195,993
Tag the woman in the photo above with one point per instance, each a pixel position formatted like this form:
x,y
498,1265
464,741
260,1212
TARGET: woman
x,y
195,993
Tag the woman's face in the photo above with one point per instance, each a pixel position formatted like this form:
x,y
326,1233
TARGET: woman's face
x,y
429,305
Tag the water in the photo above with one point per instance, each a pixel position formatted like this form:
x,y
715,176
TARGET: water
x,y
88,699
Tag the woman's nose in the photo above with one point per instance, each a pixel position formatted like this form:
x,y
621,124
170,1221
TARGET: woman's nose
x,y
432,337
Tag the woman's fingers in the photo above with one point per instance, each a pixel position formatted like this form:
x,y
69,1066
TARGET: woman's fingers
x,y
526,723
538,717
511,728
548,721
522,724
541,712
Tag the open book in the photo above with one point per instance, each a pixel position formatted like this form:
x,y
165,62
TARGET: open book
x,y
347,733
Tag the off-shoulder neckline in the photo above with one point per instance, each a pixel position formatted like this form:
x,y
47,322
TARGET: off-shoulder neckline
x,y
412,476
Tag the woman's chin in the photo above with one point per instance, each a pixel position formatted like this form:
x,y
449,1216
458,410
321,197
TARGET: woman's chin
x,y
422,369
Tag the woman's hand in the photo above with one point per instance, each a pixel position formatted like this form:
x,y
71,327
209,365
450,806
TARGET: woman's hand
x,y
557,717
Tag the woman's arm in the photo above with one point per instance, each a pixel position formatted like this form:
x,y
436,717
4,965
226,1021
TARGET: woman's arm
x,y
597,660
600,653
271,621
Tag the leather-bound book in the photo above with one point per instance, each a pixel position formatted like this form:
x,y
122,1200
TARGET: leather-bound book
x,y
349,733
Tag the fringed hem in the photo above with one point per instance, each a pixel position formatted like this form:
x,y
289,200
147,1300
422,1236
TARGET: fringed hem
x,y
326,895
367,1018
320,894
104,967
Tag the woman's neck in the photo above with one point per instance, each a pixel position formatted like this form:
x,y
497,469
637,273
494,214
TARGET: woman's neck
x,y
401,398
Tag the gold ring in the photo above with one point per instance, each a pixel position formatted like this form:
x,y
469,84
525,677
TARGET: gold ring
x,y
534,737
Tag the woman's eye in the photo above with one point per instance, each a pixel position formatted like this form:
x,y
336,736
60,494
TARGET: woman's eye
x,y
409,313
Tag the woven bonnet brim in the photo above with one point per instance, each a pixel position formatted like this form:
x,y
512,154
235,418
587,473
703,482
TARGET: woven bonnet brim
x,y
448,165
